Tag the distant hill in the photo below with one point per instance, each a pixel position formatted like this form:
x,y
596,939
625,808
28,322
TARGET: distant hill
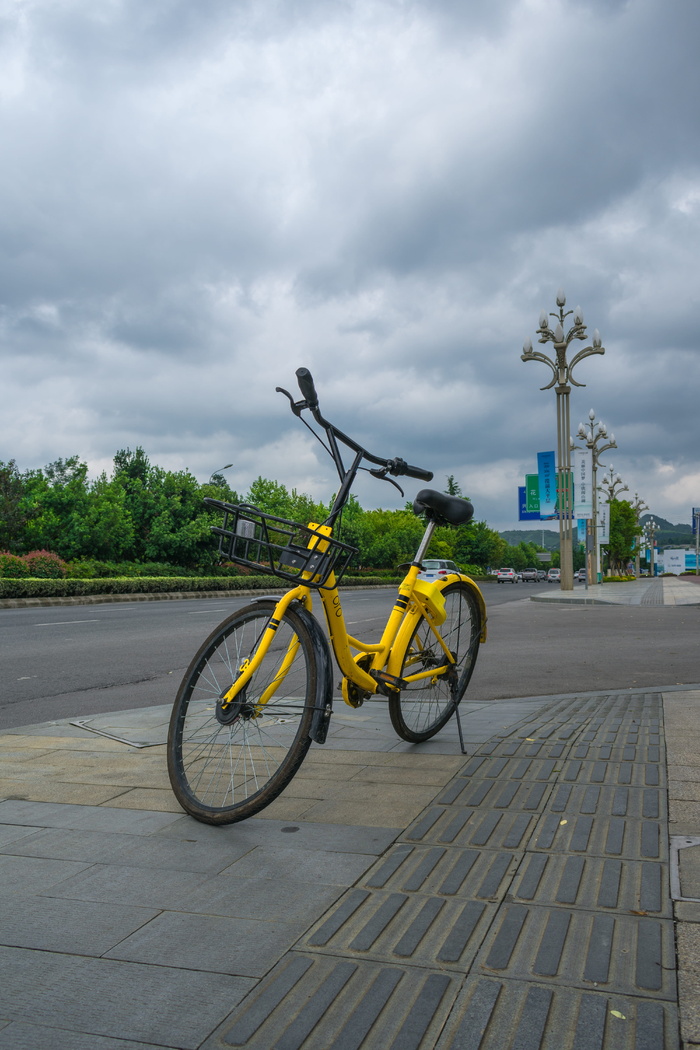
x,y
670,535
667,535
547,538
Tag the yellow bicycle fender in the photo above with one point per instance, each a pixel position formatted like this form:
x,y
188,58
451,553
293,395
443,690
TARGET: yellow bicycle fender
x,y
446,580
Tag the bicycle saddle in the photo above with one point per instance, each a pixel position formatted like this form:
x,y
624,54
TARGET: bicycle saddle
x,y
441,508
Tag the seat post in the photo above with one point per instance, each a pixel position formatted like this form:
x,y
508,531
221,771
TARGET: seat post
x,y
424,543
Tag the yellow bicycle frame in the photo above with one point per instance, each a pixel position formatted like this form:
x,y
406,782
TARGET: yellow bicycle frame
x,y
416,599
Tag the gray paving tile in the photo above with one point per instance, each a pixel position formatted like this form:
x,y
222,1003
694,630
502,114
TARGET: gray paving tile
x,y
217,944
323,867
95,818
16,1036
13,832
122,884
277,899
74,927
292,835
103,997
152,851
28,875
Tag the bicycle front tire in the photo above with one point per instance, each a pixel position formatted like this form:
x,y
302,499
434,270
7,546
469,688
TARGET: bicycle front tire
x,y
227,765
421,710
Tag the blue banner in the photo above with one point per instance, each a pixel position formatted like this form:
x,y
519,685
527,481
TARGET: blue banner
x,y
547,473
525,514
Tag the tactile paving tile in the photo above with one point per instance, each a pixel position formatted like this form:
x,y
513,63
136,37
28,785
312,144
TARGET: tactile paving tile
x,y
463,873
464,826
316,1002
594,884
519,1015
441,933
601,835
527,908
612,952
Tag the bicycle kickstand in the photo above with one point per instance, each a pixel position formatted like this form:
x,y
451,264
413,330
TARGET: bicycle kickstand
x,y
459,730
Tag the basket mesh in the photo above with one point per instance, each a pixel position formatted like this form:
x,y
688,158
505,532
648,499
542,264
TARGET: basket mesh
x,y
278,547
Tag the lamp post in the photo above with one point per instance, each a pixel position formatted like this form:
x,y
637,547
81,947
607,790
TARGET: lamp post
x,y
595,433
562,376
638,506
649,532
217,473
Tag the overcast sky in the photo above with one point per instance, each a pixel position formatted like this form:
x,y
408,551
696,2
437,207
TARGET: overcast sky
x,y
198,198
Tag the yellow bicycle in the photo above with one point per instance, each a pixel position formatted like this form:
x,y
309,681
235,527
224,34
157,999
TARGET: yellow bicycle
x,y
260,688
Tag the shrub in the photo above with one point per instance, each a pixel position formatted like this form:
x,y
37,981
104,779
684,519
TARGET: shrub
x,y
12,567
45,565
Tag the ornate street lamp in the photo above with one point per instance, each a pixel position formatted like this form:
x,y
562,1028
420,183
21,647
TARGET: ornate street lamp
x,y
595,433
649,534
561,377
611,484
638,505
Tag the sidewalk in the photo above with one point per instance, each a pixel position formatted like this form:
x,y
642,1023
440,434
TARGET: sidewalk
x,y
664,590
541,893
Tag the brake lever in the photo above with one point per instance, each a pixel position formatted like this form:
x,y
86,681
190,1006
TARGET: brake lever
x,y
296,406
382,475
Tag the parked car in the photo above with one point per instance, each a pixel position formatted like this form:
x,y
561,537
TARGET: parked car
x,y
507,576
435,568
580,575
541,574
529,575
554,576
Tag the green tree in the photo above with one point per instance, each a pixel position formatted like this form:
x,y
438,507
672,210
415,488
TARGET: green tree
x,y
15,510
624,531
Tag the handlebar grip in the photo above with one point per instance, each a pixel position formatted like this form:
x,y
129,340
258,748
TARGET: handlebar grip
x,y
418,472
306,385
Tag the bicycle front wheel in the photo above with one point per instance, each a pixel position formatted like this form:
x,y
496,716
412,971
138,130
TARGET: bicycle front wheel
x,y
226,764
421,709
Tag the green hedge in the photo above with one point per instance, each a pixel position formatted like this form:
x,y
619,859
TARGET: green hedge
x,y
33,588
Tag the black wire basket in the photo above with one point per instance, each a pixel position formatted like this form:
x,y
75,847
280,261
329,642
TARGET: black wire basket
x,y
279,547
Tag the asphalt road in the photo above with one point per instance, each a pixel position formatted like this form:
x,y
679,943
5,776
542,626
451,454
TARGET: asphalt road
x,y
80,660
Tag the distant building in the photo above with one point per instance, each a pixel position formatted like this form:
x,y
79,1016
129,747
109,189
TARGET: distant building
x,y
676,560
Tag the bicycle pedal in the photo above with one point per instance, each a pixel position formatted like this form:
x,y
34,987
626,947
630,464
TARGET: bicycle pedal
x,y
389,681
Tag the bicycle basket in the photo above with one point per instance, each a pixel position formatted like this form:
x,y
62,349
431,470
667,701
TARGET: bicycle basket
x,y
279,547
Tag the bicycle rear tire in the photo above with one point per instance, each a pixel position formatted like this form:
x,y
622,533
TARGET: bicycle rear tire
x,y
227,765
421,710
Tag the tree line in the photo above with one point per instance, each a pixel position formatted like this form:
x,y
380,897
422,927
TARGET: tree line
x,y
141,513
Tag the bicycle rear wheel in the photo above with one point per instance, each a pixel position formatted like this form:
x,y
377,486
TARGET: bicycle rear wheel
x,y
420,710
227,764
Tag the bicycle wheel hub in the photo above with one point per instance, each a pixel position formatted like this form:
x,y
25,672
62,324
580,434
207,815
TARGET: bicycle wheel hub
x,y
227,714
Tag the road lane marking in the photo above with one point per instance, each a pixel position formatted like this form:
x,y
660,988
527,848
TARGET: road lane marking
x,y
59,623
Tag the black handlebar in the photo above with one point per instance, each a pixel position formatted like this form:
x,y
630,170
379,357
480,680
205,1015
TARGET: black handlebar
x,y
306,385
387,466
399,466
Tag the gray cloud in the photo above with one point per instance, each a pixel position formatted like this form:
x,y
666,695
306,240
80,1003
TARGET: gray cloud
x,y
196,199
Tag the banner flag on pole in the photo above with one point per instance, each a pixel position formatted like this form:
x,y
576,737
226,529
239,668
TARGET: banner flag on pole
x,y
581,530
547,477
523,513
532,493
583,483
603,522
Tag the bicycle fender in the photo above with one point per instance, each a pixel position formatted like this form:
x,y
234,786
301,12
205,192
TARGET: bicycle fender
x,y
453,576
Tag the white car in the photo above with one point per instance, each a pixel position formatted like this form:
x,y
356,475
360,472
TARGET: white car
x,y
554,576
507,576
436,568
